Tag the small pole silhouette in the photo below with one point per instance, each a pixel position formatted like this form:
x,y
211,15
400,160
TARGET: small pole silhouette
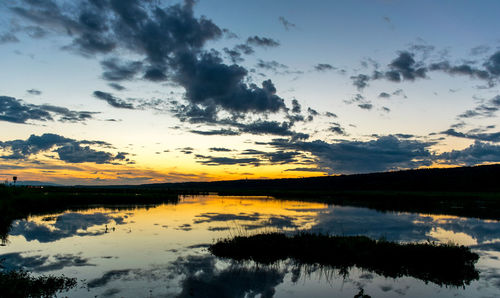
x,y
15,179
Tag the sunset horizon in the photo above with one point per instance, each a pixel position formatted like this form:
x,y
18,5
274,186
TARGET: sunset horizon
x,y
138,92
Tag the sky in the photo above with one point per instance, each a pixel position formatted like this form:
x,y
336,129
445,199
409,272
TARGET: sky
x,y
97,92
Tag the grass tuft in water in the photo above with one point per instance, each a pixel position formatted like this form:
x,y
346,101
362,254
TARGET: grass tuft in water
x,y
442,264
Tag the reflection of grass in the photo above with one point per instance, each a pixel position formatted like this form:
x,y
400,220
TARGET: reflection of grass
x,y
22,284
438,263
20,202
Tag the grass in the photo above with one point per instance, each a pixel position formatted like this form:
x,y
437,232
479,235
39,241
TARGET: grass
x,y
442,264
21,284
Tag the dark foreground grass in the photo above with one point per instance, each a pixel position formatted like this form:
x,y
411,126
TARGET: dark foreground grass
x,y
438,263
15,284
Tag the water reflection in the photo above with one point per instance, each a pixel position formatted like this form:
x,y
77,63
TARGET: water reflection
x,y
160,251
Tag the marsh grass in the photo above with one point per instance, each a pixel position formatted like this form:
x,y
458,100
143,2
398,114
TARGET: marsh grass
x,y
442,264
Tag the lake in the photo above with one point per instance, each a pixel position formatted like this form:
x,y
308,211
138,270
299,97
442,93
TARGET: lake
x,y
161,251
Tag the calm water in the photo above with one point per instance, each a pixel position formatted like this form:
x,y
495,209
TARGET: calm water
x,y
161,251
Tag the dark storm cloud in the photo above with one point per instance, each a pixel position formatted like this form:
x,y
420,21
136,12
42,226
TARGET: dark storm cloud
x,y
34,91
208,81
491,137
117,70
286,23
382,154
17,111
323,67
112,100
171,40
476,153
68,150
262,41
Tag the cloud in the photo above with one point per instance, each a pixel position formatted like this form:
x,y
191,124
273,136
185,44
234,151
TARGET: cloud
x,y
75,153
262,41
287,24
38,263
493,64
270,65
485,110
217,149
17,111
384,95
108,277
296,108
204,279
476,153
221,132
8,38
366,106
34,91
68,150
491,137
463,69
336,128
260,127
117,70
171,40
65,226
381,154
360,81
112,100
217,161
323,67
208,81
406,67
116,86
479,50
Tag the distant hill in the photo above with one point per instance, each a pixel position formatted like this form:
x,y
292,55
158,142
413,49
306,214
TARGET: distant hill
x,y
477,178
34,183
